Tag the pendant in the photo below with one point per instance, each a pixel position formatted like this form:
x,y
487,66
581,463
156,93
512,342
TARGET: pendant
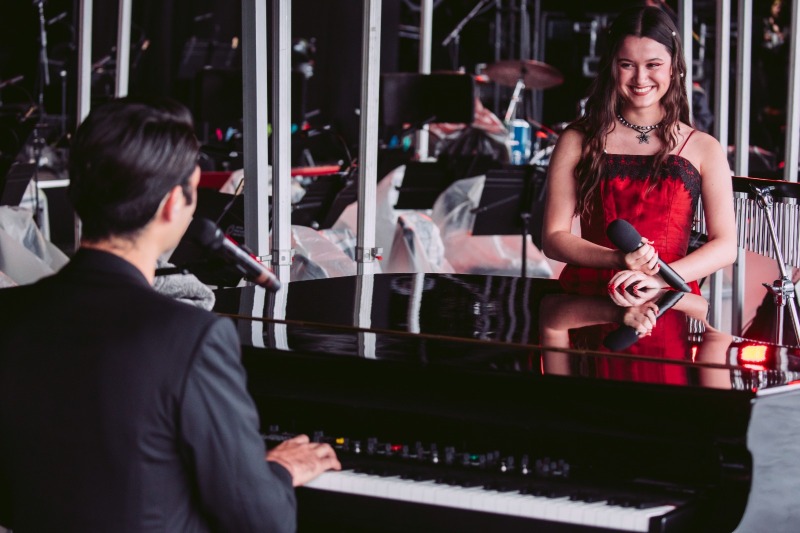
x,y
643,138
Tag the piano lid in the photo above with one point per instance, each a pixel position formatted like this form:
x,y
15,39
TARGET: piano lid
x,y
501,324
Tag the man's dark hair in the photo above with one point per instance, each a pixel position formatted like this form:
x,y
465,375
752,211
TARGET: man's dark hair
x,y
125,157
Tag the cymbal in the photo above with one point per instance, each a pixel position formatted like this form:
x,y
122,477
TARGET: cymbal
x,y
535,74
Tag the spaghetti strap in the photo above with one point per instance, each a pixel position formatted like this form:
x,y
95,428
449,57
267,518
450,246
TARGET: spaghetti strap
x,y
686,141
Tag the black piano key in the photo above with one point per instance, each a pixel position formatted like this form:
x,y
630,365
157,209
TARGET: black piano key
x,y
649,504
546,491
467,483
500,487
588,497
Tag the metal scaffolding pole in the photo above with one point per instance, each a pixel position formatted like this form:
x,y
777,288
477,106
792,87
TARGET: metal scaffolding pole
x,y
742,142
85,10
255,125
425,37
793,105
685,13
722,89
281,138
368,143
123,48
84,59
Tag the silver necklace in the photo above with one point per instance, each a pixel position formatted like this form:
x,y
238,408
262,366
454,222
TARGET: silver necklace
x,y
643,136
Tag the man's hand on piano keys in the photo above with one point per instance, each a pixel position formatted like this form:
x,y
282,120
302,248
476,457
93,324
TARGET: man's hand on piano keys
x,y
303,459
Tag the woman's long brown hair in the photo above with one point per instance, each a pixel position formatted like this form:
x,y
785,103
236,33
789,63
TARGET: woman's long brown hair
x,y
604,100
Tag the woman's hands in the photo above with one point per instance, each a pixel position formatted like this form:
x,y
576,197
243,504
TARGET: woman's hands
x,y
642,318
644,258
638,282
629,288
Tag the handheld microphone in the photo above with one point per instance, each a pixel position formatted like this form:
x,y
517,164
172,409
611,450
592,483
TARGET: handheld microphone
x,y
207,234
626,238
624,337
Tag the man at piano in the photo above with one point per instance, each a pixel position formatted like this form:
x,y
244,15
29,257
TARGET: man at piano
x,y
121,409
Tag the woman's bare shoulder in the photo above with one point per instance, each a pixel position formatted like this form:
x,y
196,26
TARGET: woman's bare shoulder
x,y
700,148
690,138
571,137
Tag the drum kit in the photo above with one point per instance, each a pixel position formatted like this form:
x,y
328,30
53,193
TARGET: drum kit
x,y
529,142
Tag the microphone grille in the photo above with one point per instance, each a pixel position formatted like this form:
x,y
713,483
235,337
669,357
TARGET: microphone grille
x,y
623,235
204,232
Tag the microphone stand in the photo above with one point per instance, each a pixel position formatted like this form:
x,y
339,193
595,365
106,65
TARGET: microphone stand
x,y
44,81
455,35
782,289
43,61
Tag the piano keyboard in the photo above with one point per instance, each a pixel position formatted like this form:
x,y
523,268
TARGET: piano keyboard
x,y
562,506
520,487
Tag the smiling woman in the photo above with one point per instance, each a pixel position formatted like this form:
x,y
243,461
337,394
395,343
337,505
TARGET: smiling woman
x,y
635,156
644,74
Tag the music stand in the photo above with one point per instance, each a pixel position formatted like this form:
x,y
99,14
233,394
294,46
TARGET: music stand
x,y
194,58
422,185
512,203
313,207
346,196
419,99
15,182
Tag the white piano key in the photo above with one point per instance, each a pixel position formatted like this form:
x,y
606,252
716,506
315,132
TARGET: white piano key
x,y
642,519
564,510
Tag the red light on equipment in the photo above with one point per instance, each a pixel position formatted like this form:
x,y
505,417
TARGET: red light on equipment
x,y
753,354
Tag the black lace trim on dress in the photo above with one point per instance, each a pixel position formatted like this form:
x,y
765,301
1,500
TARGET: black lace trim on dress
x,y
637,167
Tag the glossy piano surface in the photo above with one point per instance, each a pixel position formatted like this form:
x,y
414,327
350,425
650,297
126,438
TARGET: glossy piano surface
x,y
504,368
496,323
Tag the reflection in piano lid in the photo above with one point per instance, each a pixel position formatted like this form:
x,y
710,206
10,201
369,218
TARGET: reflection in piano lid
x,y
498,323
501,368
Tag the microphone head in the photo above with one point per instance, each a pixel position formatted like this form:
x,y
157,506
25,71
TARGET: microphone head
x,y
205,233
621,339
623,235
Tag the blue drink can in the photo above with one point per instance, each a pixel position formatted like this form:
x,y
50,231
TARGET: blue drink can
x,y
520,142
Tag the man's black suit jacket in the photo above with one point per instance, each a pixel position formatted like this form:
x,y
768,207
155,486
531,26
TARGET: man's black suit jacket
x,y
123,410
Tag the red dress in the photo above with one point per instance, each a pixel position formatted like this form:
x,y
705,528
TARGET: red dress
x,y
669,342
663,214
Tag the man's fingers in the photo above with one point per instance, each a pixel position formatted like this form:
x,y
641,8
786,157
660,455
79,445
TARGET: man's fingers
x,y
299,439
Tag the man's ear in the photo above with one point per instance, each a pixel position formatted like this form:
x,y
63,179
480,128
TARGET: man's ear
x,y
174,201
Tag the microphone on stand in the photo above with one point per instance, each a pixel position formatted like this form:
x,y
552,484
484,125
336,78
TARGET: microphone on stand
x,y
626,238
208,235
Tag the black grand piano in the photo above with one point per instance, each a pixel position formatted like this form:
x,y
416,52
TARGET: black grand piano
x,y
490,403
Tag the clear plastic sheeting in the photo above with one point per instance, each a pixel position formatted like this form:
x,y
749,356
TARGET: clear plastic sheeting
x,y
235,184
480,254
5,281
318,257
417,246
385,214
33,199
25,255
344,239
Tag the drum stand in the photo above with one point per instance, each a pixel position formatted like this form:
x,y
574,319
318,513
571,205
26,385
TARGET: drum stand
x,y
782,288
512,104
